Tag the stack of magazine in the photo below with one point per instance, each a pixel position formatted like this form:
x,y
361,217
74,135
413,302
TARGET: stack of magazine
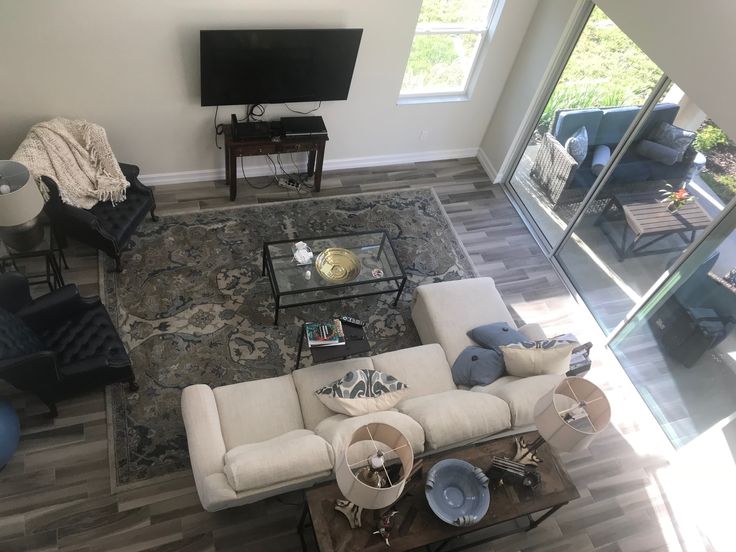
x,y
325,334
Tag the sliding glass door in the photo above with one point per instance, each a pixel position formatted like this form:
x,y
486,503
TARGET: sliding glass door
x,y
605,81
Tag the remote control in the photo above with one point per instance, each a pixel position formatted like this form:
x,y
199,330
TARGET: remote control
x,y
352,321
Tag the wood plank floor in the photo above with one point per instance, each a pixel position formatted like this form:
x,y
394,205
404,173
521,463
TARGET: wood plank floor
x,y
55,493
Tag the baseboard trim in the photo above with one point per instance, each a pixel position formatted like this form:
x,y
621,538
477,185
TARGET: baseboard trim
x,y
259,167
485,162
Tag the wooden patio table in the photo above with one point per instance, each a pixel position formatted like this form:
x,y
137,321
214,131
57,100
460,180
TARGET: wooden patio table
x,y
646,216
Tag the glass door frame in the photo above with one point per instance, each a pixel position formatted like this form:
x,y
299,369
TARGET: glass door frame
x,y
551,251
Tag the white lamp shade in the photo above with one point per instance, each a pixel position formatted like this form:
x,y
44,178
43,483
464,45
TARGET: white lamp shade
x,y
571,414
20,200
365,441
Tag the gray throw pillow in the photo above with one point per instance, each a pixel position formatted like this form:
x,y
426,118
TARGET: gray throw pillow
x,y
361,392
577,144
477,366
657,152
673,137
494,335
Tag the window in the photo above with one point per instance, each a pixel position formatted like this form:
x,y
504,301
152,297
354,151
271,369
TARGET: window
x,y
446,44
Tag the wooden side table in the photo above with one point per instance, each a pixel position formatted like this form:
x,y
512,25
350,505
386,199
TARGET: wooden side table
x,y
314,145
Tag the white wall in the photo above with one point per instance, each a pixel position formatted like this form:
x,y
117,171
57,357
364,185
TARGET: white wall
x,y
536,52
692,42
133,67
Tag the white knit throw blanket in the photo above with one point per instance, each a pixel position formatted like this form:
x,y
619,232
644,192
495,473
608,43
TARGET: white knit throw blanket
x,y
77,155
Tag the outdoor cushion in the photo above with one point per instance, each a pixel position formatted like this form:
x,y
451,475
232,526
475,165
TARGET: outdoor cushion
x,y
285,458
522,395
614,124
255,411
567,121
657,152
308,380
338,429
496,334
674,137
577,144
477,366
423,369
601,156
458,416
362,391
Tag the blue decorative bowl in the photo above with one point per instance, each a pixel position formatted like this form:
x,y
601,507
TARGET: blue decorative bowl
x,y
457,492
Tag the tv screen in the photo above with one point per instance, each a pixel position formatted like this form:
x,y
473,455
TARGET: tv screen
x,y
277,66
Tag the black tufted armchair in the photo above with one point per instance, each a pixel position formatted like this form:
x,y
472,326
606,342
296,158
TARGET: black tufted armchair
x,y
58,344
105,226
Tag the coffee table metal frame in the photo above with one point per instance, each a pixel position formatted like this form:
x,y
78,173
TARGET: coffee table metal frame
x,y
268,270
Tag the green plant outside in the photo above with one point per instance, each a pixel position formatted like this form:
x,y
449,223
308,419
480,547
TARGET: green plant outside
x,y
710,137
724,185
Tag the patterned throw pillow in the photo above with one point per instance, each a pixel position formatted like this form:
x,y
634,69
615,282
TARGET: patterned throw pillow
x,y
673,137
577,144
533,358
362,391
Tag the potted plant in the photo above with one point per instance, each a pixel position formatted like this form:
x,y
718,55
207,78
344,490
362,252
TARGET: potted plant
x,y
675,198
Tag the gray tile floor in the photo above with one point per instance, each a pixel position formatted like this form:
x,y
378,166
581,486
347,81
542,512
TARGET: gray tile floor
x,y
55,493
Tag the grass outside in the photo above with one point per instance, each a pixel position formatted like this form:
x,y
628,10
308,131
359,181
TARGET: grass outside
x,y
720,166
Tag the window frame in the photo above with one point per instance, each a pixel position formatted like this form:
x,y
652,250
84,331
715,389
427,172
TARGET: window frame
x,y
429,29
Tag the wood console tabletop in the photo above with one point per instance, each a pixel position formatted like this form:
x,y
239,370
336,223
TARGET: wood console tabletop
x,y
416,527
315,145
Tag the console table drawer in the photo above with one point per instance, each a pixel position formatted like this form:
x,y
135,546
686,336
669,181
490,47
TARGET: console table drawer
x,y
286,147
255,149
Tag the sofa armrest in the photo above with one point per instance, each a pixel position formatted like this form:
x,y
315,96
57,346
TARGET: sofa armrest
x,y
48,310
533,331
553,168
204,437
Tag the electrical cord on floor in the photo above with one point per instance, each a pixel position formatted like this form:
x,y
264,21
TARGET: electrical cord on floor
x,y
304,112
303,179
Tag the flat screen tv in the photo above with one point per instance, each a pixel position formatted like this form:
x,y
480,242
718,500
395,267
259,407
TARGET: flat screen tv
x,y
277,66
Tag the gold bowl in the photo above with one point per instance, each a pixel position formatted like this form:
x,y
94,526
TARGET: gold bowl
x,y
337,265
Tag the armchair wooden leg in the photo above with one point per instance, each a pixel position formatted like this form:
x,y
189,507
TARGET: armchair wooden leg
x,y
53,412
154,218
118,264
132,385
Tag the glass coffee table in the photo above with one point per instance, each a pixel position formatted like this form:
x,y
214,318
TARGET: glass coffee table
x,y
295,285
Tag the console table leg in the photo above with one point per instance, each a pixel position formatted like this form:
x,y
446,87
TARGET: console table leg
x,y
233,177
320,157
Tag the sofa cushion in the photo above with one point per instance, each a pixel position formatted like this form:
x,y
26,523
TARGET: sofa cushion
x,y
444,311
521,396
496,334
673,137
577,144
362,391
456,417
338,429
258,410
614,124
533,358
290,456
308,380
423,369
491,387
477,366
567,121
657,152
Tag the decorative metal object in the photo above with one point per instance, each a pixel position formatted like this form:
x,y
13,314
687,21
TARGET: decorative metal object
x,y
337,265
457,492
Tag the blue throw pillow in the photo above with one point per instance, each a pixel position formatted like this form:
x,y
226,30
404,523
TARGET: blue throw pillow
x,y
16,339
477,366
577,144
492,336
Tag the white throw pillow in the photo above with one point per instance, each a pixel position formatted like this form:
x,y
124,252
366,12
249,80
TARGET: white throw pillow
x,y
362,391
534,358
601,156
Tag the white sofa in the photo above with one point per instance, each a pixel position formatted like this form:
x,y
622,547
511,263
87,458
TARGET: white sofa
x,y
260,438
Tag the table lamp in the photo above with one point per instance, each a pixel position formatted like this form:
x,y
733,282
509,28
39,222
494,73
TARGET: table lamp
x,y
367,473
568,417
20,205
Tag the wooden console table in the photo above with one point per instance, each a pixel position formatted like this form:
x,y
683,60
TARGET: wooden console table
x,y
315,145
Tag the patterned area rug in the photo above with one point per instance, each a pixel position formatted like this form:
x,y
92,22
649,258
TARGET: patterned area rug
x,y
192,306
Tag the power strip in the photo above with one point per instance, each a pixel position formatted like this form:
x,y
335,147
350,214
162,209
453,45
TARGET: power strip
x,y
289,183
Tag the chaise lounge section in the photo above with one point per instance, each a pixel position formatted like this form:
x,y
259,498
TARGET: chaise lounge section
x,y
252,440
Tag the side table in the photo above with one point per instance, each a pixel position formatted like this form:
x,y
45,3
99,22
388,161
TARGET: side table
x,y
356,343
49,249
